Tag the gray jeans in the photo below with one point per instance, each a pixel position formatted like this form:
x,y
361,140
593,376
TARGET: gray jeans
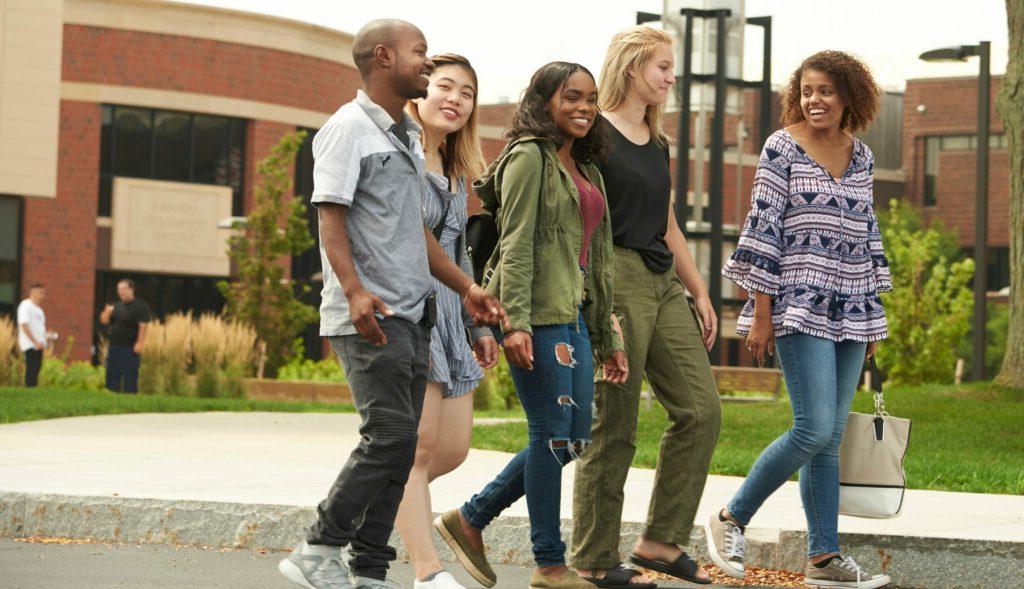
x,y
388,384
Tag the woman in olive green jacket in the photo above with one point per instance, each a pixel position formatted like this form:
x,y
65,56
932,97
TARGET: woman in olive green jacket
x,y
553,270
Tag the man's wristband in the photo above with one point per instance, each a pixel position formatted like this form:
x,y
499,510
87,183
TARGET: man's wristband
x,y
466,298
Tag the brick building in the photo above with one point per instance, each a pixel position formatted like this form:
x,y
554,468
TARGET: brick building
x,y
143,121
939,151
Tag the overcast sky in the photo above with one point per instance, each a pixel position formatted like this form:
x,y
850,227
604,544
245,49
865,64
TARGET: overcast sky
x,y
507,41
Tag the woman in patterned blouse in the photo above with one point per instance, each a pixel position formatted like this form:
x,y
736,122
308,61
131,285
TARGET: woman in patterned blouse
x,y
811,257
448,117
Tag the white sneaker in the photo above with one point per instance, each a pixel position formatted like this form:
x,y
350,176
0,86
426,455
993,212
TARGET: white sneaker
x,y
316,566
442,580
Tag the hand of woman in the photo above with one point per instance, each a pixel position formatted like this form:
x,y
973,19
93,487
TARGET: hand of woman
x,y
872,348
519,348
708,321
616,368
485,348
761,338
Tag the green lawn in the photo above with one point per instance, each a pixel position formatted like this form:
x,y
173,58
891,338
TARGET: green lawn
x,y
20,404
966,438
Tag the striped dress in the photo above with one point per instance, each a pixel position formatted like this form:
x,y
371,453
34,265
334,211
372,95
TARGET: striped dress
x,y
812,242
451,358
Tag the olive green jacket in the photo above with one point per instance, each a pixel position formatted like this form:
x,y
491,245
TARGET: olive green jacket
x,y
534,270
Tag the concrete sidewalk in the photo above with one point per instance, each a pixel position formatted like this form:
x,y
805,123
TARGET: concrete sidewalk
x,y
251,479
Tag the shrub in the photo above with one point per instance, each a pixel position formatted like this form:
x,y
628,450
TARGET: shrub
x,y
12,369
300,368
496,391
260,294
997,326
929,308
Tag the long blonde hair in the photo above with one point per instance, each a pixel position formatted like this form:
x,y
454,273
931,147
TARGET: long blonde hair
x,y
631,48
460,149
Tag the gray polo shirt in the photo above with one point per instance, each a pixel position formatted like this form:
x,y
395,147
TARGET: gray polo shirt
x,y
361,164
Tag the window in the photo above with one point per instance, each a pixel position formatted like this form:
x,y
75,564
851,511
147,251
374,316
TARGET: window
x,y
931,169
164,293
997,276
171,145
934,145
10,253
171,136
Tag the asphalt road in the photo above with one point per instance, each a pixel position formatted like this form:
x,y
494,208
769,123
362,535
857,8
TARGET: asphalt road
x,y
26,565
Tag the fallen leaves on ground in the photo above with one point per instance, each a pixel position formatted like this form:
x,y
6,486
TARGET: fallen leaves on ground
x,y
54,540
755,577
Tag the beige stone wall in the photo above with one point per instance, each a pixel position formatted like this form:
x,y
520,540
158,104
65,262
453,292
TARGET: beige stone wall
x,y
170,227
30,69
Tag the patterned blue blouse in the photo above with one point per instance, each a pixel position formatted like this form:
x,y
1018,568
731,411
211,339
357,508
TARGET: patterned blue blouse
x,y
812,242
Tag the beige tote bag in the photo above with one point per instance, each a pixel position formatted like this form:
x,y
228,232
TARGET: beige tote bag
x,y
871,478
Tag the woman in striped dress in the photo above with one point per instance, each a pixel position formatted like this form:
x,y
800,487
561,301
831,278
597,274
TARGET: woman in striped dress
x,y
811,257
448,118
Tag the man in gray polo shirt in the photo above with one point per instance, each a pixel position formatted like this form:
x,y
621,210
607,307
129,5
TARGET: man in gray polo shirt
x,y
368,179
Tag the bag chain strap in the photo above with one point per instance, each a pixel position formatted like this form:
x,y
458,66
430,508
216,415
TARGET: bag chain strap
x,y
876,383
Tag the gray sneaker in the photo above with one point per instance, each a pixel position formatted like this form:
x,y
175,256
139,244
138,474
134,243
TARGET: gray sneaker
x,y
726,546
843,572
316,566
368,583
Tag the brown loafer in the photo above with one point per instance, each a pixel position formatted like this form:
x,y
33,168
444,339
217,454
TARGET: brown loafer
x,y
449,525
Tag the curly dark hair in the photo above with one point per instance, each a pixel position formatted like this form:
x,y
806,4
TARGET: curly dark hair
x,y
532,116
853,81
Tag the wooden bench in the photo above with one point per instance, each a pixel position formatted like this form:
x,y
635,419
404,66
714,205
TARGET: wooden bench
x,y
732,379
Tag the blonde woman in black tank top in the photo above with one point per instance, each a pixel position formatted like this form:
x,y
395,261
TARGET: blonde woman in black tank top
x,y
665,338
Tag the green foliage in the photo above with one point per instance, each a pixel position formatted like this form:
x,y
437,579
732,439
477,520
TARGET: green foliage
x,y
997,327
929,308
496,391
79,376
260,295
301,368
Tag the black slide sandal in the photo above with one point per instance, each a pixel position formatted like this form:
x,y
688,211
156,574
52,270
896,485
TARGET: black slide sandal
x,y
619,578
684,567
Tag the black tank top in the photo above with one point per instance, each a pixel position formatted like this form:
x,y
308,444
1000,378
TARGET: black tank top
x,y
638,183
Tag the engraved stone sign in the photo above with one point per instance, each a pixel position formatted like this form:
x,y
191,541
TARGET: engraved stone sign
x,y
170,227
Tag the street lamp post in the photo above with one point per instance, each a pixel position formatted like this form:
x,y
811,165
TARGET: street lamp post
x,y
961,53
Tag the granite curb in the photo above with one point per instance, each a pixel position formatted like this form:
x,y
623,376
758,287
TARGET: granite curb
x,y
920,562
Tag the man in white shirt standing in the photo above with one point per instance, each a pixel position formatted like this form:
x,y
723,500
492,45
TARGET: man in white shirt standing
x,y
32,333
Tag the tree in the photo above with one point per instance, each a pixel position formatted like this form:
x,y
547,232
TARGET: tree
x,y
1010,102
929,308
260,295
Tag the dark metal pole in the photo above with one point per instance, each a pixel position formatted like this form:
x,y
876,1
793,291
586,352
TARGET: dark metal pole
x,y
981,216
766,83
716,194
683,134
683,139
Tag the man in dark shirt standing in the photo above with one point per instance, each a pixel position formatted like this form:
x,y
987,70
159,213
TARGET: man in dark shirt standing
x,y
128,320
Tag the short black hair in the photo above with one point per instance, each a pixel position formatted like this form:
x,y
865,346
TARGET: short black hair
x,y
533,119
36,285
128,281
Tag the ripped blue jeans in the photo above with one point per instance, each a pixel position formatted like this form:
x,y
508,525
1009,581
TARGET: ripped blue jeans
x,y
557,396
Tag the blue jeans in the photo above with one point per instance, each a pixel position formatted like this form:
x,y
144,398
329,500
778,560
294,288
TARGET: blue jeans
x,y
557,396
122,369
821,376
